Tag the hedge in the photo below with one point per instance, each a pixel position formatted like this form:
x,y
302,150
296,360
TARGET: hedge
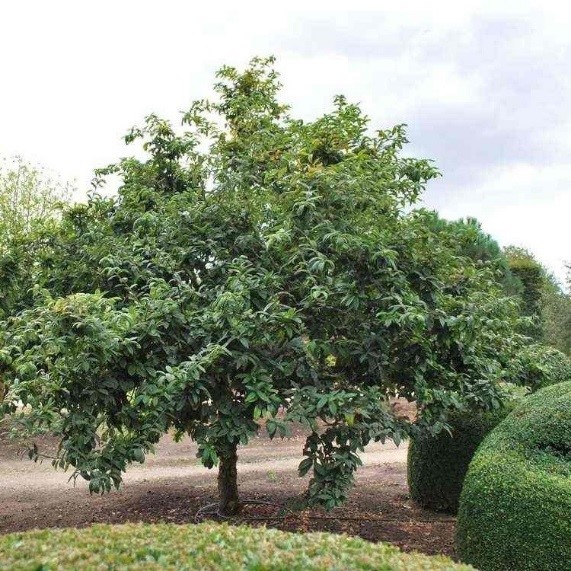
x,y
205,546
437,465
515,508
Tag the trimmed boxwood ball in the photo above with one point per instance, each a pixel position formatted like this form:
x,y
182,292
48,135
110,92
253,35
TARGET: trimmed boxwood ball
x,y
515,507
204,547
437,465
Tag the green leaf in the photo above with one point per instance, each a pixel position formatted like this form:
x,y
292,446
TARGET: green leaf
x,y
304,466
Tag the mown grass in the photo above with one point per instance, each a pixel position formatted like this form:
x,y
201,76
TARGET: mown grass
x,y
207,546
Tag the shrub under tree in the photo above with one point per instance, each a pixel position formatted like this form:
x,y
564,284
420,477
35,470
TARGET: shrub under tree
x,y
437,463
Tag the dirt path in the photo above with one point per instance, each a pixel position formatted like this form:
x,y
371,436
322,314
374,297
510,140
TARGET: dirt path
x,y
20,475
173,486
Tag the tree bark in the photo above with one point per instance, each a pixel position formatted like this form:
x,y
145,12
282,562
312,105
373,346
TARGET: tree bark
x,y
229,502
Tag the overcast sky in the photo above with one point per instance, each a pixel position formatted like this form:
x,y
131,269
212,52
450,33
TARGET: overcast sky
x,y
485,90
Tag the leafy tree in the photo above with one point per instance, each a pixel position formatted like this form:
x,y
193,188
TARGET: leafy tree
x,y
536,366
469,240
29,198
556,316
543,300
532,276
30,206
254,270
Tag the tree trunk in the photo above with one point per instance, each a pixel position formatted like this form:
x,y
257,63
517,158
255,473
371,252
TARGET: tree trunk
x,y
229,503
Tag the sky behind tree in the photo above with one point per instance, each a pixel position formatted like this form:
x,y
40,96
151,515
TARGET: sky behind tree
x,y
485,88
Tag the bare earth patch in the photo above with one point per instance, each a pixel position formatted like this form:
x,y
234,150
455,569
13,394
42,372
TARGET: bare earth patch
x,y
172,486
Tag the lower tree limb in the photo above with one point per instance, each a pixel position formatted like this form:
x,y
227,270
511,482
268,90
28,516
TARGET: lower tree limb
x,y
229,502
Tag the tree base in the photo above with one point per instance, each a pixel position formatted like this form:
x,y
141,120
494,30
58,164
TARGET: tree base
x,y
249,510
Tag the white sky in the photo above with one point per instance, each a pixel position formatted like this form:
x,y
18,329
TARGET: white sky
x,y
485,90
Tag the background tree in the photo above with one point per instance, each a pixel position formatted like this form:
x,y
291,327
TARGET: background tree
x,y
29,197
469,240
254,270
532,277
31,202
556,315
30,205
543,300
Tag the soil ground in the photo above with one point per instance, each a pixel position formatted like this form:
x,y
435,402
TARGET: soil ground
x,y
172,486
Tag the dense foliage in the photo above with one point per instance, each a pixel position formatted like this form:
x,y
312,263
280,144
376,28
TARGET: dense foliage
x,y
542,300
205,547
556,315
516,503
29,199
254,267
30,205
437,464
532,277
536,366
481,248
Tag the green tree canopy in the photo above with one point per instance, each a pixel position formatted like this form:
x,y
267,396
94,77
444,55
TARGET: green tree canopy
x,y
29,198
542,299
31,202
469,240
532,276
556,315
254,270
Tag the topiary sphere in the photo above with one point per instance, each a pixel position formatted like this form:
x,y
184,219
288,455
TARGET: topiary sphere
x,y
515,507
